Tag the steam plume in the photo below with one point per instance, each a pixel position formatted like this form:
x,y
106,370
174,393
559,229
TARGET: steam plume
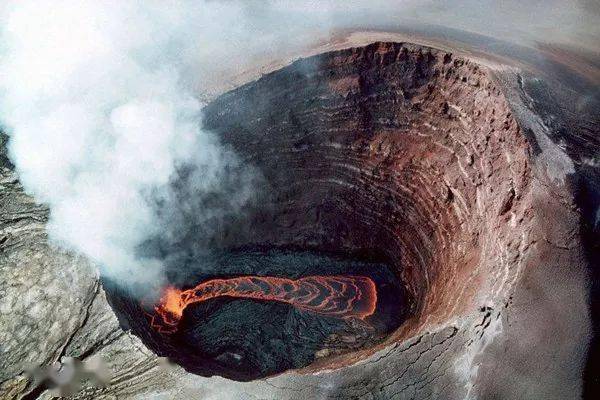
x,y
100,120
99,96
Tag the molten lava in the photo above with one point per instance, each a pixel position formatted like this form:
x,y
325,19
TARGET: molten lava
x,y
337,296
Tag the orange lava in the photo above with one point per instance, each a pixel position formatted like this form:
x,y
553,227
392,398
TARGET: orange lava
x,y
336,296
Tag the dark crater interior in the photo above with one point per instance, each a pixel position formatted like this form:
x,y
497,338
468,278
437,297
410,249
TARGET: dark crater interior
x,y
246,339
393,161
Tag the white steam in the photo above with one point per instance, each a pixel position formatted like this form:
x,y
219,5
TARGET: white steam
x,y
99,117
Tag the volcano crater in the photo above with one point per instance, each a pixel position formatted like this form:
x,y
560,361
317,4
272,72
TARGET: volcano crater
x,y
395,162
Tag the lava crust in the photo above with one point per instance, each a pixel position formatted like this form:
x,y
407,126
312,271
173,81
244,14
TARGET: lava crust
x,y
224,321
403,152
339,296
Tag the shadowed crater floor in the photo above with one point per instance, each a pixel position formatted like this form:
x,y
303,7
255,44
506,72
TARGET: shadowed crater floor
x,y
245,338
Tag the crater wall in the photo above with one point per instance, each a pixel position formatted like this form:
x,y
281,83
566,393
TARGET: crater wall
x,y
392,149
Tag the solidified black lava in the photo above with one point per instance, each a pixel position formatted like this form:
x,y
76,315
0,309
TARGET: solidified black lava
x,y
247,339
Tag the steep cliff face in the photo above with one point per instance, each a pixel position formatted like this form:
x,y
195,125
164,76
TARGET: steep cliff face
x,y
428,160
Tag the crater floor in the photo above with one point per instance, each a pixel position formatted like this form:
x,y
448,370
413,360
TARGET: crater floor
x,y
246,339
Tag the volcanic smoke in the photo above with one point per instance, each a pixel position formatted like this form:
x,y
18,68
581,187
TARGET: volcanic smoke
x,y
336,296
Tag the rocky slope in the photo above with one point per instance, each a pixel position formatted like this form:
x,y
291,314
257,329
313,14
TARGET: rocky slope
x,y
434,161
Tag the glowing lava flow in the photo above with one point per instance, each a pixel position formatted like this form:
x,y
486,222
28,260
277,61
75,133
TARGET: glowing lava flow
x,y
337,296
